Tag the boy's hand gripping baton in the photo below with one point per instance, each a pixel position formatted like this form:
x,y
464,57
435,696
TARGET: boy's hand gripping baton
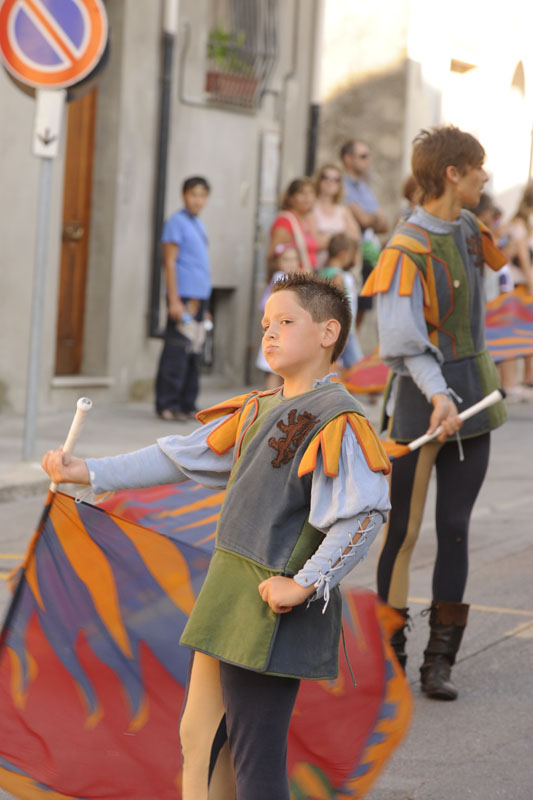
x,y
83,406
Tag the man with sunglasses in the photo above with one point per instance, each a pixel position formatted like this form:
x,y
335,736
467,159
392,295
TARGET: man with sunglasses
x,y
362,202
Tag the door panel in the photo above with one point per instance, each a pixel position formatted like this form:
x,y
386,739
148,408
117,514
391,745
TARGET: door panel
x,y
75,238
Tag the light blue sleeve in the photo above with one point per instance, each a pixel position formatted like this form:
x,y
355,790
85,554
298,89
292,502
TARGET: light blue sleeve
x,y
173,230
172,460
404,344
339,508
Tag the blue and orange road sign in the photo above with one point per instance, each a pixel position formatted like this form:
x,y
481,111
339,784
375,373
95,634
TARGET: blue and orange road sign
x,y
52,44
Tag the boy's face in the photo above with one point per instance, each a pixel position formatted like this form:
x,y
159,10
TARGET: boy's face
x,y
195,199
291,339
470,185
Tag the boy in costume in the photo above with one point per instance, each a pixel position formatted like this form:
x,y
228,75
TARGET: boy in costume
x,y
431,322
306,496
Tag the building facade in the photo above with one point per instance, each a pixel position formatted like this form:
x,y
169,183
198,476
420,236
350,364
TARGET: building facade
x,y
237,108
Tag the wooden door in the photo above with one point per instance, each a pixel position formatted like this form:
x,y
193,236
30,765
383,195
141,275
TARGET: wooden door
x,y
75,239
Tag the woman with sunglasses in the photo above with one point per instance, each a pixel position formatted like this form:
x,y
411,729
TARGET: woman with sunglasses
x,y
330,214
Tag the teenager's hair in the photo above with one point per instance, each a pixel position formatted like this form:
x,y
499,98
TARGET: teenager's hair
x,y
339,196
192,183
322,300
340,242
293,188
437,149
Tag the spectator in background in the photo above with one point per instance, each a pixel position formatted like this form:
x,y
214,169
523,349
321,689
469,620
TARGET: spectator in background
x,y
521,243
342,252
331,215
362,202
499,283
188,287
296,223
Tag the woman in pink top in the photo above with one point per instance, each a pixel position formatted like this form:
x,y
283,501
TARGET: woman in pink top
x,y
295,223
331,216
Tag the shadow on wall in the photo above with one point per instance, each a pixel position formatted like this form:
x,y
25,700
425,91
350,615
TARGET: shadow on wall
x,y
371,108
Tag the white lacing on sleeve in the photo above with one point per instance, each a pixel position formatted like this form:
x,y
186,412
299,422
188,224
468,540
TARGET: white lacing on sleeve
x,y
343,564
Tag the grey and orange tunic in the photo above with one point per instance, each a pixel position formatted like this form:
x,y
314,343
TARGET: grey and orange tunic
x,y
264,529
301,474
431,319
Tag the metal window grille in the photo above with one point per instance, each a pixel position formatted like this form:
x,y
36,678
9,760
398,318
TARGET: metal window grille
x,y
242,49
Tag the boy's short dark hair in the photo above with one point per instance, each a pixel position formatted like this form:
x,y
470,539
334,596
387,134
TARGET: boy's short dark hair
x,y
439,148
322,300
339,243
192,183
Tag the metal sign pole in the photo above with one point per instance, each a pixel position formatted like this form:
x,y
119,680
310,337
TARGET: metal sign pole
x,y
48,118
37,306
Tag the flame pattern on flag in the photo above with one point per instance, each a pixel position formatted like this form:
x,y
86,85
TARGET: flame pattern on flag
x,y
509,325
92,678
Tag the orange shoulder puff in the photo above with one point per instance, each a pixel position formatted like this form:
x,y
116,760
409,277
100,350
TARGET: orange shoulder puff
x,y
380,278
492,257
329,441
224,436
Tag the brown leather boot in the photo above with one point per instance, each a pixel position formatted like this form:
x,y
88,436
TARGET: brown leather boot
x,y
447,622
398,639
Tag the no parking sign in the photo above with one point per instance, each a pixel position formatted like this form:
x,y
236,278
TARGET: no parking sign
x,y
52,44
49,45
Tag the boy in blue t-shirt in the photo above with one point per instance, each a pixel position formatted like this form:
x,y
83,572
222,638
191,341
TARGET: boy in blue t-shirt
x,y
188,286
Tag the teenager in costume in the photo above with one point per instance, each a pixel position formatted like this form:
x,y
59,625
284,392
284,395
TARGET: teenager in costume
x,y
430,302
306,496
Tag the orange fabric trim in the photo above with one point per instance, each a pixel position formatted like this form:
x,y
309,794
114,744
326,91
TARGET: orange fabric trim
x,y
410,243
370,444
492,256
380,279
221,409
431,310
224,436
329,440
243,426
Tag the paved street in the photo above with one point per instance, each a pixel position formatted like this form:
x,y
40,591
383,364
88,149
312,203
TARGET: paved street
x,y
478,748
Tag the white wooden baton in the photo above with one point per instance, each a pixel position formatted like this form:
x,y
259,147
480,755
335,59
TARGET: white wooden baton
x,y
83,406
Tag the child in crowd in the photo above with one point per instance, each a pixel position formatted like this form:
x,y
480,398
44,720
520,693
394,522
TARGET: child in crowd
x,y
285,260
306,496
342,253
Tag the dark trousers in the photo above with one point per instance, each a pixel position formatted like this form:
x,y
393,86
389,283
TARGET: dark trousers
x,y
258,712
458,485
177,381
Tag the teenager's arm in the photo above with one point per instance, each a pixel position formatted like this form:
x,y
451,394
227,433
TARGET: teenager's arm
x,y
404,346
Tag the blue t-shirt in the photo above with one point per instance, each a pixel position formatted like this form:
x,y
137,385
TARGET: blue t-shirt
x,y
359,192
193,270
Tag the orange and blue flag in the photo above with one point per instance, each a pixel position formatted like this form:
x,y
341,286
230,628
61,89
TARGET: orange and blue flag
x,y
509,325
92,678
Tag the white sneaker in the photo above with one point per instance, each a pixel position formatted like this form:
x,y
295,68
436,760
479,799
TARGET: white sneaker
x,y
519,394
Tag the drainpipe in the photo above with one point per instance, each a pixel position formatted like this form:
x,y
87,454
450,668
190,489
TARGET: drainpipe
x,y
170,29
314,107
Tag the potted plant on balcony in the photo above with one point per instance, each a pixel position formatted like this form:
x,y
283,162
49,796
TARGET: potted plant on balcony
x,y
229,76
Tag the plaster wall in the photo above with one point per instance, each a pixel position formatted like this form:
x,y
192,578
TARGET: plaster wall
x,y
20,172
